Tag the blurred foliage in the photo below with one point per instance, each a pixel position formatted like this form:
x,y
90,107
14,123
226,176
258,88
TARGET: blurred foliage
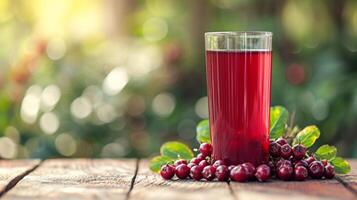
x,y
118,78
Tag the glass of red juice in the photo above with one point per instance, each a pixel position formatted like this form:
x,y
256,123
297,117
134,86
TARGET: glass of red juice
x,y
238,69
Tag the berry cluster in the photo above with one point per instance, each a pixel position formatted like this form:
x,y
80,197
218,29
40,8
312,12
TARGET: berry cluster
x,y
285,163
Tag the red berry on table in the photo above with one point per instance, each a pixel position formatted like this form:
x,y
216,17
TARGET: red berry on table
x,y
285,172
274,149
190,165
206,149
222,173
250,169
281,141
272,167
230,167
167,171
299,151
196,173
263,173
300,173
286,151
182,171
239,173
283,162
301,163
324,162
316,169
218,163
179,162
310,159
208,172
203,163
329,171
195,161
201,156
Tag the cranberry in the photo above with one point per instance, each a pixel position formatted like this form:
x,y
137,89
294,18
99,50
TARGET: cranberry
x,y
329,171
182,171
190,165
299,151
230,167
281,141
324,162
301,163
208,172
218,163
195,161
167,171
222,173
274,149
310,159
239,173
301,173
201,156
272,167
263,173
283,162
250,169
196,173
285,172
203,163
206,149
316,169
286,151
179,162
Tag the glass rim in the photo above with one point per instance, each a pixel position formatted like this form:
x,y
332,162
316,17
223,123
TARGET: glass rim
x,y
252,34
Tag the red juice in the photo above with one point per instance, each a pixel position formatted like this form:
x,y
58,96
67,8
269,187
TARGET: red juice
x,y
239,85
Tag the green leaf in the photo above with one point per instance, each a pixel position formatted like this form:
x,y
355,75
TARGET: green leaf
x,y
176,150
307,136
202,131
158,161
341,165
326,152
278,120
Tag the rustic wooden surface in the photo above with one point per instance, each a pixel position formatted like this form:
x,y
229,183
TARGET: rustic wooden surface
x,y
131,179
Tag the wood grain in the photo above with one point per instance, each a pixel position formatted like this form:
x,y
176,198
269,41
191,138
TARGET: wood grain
x,y
149,185
9,170
351,178
76,179
311,189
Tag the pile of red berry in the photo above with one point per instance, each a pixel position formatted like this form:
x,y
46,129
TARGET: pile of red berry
x,y
285,163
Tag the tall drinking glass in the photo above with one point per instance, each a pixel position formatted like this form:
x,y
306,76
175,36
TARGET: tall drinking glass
x,y
238,69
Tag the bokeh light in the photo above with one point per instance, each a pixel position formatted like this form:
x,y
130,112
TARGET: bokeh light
x,y
81,108
163,104
8,148
115,81
201,107
65,144
50,97
49,123
30,105
155,29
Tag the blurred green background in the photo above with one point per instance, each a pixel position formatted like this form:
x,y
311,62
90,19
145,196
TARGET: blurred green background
x,y
117,78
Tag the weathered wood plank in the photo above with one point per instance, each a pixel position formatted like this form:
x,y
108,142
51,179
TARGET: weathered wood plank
x,y
151,186
312,189
351,178
76,179
9,170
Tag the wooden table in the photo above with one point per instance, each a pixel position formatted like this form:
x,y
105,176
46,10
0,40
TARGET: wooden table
x,y
131,179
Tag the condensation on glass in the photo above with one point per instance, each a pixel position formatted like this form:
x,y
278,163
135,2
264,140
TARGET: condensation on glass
x,y
238,41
